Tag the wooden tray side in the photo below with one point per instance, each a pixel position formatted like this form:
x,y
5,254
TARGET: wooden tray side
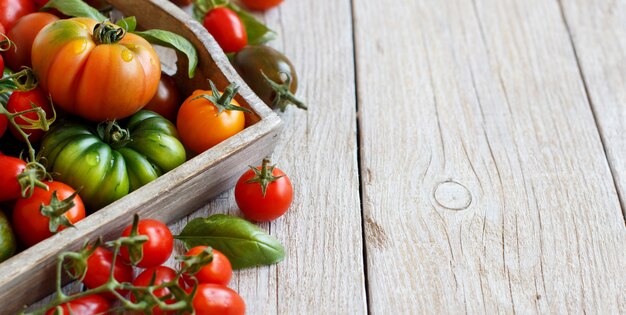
x,y
29,276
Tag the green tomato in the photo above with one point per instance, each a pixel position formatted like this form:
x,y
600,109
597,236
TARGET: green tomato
x,y
7,239
107,163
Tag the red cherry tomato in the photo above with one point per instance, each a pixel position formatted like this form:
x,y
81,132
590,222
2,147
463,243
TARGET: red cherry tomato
x,y
219,271
88,305
227,29
20,101
30,225
3,30
261,5
159,246
99,267
12,10
258,207
4,121
23,35
211,299
167,99
11,167
161,275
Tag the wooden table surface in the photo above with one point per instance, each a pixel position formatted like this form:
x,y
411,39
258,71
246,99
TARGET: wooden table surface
x,y
457,157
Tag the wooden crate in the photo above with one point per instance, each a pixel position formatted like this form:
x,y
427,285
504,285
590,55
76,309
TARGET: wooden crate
x,y
29,276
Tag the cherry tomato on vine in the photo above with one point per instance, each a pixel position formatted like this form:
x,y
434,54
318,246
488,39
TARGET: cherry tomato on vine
x,y
159,246
211,299
31,226
263,193
88,305
261,5
11,167
227,29
161,275
12,10
23,35
3,119
207,118
99,267
167,98
218,271
20,101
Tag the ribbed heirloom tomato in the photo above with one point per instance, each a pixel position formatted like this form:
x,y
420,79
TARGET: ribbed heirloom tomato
x,y
95,70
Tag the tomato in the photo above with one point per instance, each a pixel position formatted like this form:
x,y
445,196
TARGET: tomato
x,y
19,101
88,305
109,75
12,10
167,98
99,268
161,275
31,226
219,271
7,238
159,246
200,125
23,34
3,30
227,29
261,5
259,205
9,187
211,299
4,121
109,164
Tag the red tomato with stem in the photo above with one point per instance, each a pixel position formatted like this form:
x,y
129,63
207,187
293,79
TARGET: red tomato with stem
x,y
261,5
99,267
227,29
159,246
88,305
263,193
30,225
211,299
219,271
23,35
11,167
12,10
161,275
20,101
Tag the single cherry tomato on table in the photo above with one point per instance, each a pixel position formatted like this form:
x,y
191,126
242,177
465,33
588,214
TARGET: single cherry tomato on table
x,y
11,167
99,267
207,118
88,305
211,299
261,5
160,274
167,98
12,10
23,100
263,193
227,29
218,271
159,246
23,34
31,226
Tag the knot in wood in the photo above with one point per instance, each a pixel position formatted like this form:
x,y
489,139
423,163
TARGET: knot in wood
x,y
452,196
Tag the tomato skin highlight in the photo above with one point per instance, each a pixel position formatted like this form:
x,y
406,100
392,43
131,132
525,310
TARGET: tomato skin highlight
x,y
12,10
211,299
227,29
30,225
20,101
159,246
11,167
23,34
88,305
167,99
95,81
219,271
162,275
261,5
255,206
99,267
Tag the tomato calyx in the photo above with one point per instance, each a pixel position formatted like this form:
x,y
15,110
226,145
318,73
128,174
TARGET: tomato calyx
x,y
56,210
6,43
222,101
135,249
191,265
283,97
264,176
33,176
108,33
111,133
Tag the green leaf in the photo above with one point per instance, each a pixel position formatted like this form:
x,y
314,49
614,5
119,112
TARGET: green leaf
x,y
75,8
128,23
172,40
242,242
258,33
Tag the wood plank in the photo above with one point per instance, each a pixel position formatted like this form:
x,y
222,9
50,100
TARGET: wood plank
x,y
597,31
486,188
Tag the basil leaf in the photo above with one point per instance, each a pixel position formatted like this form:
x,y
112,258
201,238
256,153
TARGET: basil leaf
x,y
258,33
76,8
128,23
242,242
172,40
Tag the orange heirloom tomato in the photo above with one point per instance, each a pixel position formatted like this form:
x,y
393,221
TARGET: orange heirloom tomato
x,y
207,118
95,70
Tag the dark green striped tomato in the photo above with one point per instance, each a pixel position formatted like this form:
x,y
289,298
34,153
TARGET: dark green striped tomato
x,y
108,162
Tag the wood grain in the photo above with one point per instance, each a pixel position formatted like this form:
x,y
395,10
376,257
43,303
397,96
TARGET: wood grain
x,y
486,187
597,30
